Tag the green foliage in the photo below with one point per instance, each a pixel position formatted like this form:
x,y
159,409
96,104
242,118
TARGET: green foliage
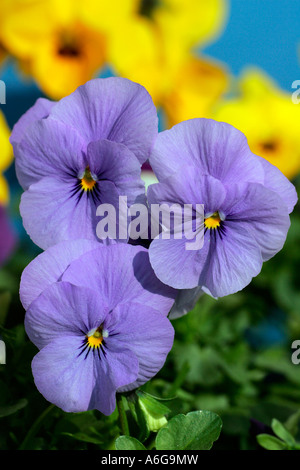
x,y
195,431
128,443
283,440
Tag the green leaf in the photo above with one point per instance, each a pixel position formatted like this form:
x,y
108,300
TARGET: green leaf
x,y
80,436
271,442
128,443
152,404
195,431
9,410
292,423
282,432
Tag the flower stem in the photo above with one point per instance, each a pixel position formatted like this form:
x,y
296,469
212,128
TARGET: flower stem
x,y
122,415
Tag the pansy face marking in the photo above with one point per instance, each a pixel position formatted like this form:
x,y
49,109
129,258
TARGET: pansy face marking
x,y
94,340
88,181
215,222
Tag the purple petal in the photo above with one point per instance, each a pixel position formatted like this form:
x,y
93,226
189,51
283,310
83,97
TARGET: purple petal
x,y
148,334
63,378
49,266
49,148
40,110
52,213
233,262
116,163
120,367
78,383
175,265
277,182
185,302
216,148
188,186
122,273
261,212
114,109
64,310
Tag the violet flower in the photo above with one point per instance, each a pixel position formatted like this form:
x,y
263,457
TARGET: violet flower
x,y
81,152
111,336
246,201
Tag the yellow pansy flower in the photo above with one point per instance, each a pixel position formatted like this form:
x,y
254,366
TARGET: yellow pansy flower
x,y
154,49
268,118
197,86
6,157
57,47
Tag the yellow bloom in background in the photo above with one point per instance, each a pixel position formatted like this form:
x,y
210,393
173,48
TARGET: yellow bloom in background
x,y
155,50
6,157
268,118
197,86
190,22
53,42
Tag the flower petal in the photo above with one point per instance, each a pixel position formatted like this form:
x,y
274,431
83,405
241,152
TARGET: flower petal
x,y
49,148
122,273
63,378
49,266
185,302
114,109
233,261
116,163
277,182
52,213
40,110
147,333
63,310
261,212
216,148
175,265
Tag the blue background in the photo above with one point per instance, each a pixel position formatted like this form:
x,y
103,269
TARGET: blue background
x,y
264,33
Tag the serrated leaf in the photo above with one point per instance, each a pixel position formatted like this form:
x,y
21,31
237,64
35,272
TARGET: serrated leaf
x,y
195,431
271,442
128,443
282,432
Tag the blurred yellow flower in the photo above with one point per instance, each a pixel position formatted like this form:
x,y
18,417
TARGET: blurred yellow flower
x,y
6,157
154,49
55,45
268,118
197,86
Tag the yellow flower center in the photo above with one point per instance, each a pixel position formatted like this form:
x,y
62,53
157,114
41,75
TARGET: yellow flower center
x,y
87,182
213,221
95,339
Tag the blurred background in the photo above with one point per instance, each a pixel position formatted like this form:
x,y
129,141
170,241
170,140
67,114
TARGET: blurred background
x,y
231,60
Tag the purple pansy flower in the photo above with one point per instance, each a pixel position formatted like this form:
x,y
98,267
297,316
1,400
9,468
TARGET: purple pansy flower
x,y
246,202
7,237
81,152
94,341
